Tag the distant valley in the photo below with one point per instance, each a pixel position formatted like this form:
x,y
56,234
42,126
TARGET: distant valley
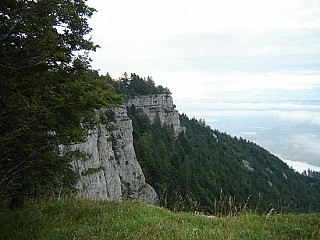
x,y
291,134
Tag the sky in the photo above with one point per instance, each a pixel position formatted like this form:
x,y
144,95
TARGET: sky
x,y
249,67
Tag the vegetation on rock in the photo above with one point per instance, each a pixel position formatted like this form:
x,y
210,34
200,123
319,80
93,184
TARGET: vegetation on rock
x,y
48,94
135,85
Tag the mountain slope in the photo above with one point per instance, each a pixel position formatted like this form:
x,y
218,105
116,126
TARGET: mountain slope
x,y
200,166
203,165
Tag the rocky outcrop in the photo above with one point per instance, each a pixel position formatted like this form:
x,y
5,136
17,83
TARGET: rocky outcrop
x,y
111,170
247,166
158,106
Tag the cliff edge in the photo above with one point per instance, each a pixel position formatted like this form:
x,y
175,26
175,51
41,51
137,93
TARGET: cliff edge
x,y
158,106
111,171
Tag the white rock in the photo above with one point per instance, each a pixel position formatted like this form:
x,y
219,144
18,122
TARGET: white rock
x,y
112,171
211,217
247,166
158,105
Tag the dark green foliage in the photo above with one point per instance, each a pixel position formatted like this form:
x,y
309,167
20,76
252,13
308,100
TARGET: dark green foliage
x,y
47,93
203,166
136,85
311,173
91,171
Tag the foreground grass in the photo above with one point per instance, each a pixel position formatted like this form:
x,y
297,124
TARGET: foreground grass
x,y
84,219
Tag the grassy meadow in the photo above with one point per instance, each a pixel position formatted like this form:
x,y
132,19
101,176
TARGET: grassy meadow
x,y
85,219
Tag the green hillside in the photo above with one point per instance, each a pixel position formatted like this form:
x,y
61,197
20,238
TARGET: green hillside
x,y
82,219
202,165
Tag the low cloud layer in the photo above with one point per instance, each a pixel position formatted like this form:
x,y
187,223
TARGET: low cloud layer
x,y
301,166
301,117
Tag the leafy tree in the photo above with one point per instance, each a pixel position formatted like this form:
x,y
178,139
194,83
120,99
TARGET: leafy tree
x,y
48,93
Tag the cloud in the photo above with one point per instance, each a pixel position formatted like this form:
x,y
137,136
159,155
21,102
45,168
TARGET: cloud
x,y
249,133
289,42
308,141
200,85
300,117
301,166
241,52
284,111
301,146
167,16
248,35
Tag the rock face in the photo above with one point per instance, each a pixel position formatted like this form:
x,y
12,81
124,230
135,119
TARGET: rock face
x,y
158,106
247,166
112,171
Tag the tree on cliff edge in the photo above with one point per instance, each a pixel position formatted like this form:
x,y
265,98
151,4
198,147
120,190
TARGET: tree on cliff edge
x,y
48,92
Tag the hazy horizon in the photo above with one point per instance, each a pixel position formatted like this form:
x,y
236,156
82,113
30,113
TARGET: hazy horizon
x,y
249,68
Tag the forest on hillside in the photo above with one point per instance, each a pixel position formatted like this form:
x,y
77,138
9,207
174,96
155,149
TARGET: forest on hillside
x,y
202,166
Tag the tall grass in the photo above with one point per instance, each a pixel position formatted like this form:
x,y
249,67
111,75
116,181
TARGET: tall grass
x,y
84,219
227,206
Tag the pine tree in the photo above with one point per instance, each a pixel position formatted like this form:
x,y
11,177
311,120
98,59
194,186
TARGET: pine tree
x,y
48,93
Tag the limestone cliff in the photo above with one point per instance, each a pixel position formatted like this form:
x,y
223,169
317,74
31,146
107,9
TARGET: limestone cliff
x,y
112,171
158,106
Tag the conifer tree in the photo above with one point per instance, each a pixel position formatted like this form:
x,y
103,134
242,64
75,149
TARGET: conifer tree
x,y
48,93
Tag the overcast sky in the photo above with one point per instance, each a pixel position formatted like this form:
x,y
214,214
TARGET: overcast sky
x,y
201,47
239,55
224,50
